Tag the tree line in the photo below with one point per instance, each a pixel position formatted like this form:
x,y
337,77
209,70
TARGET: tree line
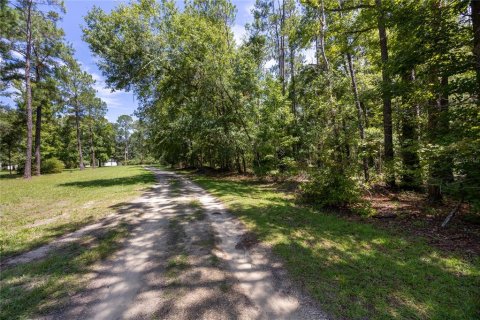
x,y
391,96
56,112
347,92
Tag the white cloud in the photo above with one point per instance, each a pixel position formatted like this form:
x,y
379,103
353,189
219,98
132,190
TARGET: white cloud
x,y
118,102
113,99
17,55
309,55
239,33
270,63
249,8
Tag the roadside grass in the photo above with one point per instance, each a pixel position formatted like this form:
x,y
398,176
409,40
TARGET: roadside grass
x,y
32,289
35,212
353,269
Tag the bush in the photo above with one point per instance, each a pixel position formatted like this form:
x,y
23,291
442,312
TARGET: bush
x,y
331,188
52,165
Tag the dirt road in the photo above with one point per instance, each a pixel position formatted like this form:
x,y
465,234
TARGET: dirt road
x,y
188,258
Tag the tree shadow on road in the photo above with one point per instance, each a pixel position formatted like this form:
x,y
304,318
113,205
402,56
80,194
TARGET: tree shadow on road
x,y
141,178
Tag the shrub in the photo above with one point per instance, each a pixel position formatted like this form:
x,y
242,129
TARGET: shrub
x,y
330,188
52,165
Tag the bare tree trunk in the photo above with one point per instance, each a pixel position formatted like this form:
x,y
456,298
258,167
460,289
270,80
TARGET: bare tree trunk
x,y
293,84
281,48
237,162
79,140
94,161
28,156
277,40
323,30
126,150
475,6
10,160
244,163
359,115
38,125
38,130
387,101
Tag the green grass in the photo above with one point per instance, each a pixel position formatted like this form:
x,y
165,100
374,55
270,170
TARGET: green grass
x,y
35,288
355,270
35,212
177,263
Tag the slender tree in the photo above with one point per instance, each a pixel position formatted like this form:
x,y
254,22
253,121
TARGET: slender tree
x,y
48,48
77,90
125,126
95,111
27,5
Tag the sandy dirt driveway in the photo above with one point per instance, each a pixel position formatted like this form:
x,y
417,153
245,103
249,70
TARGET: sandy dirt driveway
x,y
188,258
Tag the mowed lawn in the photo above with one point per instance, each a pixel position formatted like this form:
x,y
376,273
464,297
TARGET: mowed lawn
x,y
34,212
355,271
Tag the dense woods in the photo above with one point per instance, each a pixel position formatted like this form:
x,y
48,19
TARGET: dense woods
x,y
391,97
56,113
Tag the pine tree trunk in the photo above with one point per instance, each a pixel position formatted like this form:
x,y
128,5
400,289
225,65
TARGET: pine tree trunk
x,y
28,156
10,160
79,140
321,38
94,161
126,153
387,101
293,85
38,130
244,164
282,47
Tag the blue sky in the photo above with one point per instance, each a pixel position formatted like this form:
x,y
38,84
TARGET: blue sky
x,y
120,102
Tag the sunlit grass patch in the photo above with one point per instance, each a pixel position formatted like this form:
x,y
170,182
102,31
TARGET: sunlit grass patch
x,y
36,211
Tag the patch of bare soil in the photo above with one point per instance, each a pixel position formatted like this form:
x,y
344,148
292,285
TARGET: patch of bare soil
x,y
247,241
410,212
